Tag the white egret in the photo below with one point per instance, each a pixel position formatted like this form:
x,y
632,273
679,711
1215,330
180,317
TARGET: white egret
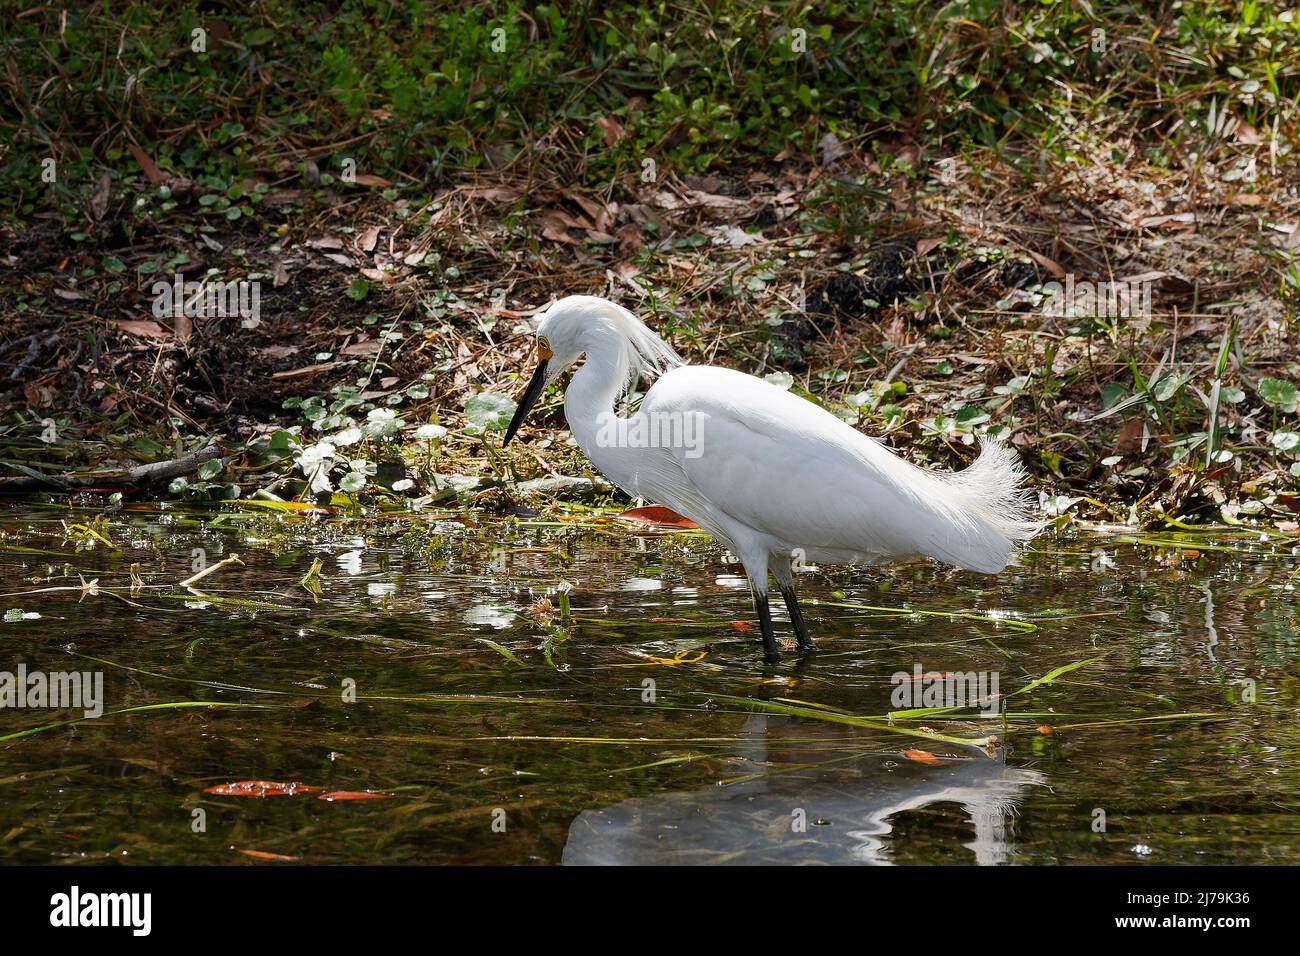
x,y
770,475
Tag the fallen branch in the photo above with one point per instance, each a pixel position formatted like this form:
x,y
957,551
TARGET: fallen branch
x,y
138,477
211,569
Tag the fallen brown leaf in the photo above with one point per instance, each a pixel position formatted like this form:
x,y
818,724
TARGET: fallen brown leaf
x,y
152,171
367,240
614,130
99,199
557,234
629,238
145,328
1051,265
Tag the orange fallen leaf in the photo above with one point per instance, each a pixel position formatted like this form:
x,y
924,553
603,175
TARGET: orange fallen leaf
x,y
920,756
1044,728
336,795
742,626
260,788
263,855
657,515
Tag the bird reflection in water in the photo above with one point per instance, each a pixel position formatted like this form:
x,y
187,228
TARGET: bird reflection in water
x,y
805,803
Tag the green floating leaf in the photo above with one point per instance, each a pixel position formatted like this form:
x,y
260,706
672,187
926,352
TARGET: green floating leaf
x,y
488,411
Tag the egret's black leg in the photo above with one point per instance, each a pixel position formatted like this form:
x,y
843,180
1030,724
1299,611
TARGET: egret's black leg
x,y
765,622
796,618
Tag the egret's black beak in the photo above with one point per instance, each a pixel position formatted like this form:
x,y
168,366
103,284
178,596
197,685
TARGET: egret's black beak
x,y
526,401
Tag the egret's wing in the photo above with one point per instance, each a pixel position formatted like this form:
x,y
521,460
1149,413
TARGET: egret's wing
x,y
796,487
781,465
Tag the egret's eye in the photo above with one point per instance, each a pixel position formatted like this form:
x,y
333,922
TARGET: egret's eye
x,y
543,349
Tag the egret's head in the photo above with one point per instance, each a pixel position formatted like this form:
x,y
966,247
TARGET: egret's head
x,y
557,349
578,324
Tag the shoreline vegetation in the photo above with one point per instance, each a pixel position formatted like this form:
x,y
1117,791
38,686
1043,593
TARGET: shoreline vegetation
x,y
289,255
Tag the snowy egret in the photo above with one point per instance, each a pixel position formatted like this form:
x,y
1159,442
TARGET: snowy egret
x,y
772,476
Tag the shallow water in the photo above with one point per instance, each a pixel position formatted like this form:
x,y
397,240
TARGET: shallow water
x,y
423,674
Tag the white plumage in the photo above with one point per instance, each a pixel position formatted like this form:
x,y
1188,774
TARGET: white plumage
x,y
770,475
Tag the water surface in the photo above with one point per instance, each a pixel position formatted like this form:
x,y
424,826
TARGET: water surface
x,y
436,668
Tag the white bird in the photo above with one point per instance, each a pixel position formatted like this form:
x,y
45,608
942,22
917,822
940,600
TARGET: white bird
x,y
770,475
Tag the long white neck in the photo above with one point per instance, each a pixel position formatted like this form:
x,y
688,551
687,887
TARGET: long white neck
x,y
589,408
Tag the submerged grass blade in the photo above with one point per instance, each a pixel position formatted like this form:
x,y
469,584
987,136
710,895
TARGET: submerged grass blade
x,y
793,710
1155,542
502,650
403,698
170,705
1123,721
1053,674
1015,622
797,708
685,758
